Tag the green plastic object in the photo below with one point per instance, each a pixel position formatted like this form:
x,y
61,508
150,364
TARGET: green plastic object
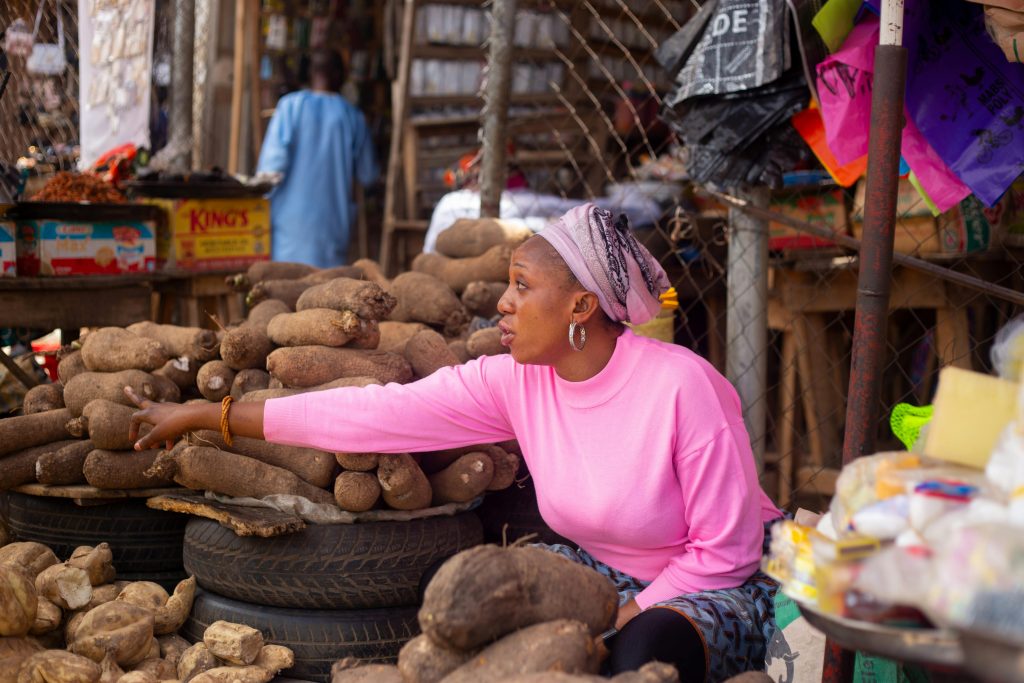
x,y
907,420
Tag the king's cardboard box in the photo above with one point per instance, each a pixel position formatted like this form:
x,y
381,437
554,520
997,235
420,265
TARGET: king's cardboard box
x,y
213,234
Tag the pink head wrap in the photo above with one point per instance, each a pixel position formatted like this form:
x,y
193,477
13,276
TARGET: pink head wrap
x,y
607,260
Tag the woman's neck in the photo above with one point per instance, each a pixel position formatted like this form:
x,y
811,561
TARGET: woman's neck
x,y
579,366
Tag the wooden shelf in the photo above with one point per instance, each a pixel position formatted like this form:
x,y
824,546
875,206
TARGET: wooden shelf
x,y
456,100
473,52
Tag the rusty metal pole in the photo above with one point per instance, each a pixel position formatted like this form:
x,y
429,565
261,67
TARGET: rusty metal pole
x,y
875,269
495,114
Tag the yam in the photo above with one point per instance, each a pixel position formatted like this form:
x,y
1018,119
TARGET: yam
x,y
48,617
70,366
491,266
33,557
13,652
265,311
209,469
318,277
485,342
19,600
25,431
192,342
468,237
268,270
485,592
250,379
506,467
356,491
43,397
194,661
275,658
123,630
314,326
89,386
72,624
172,646
426,299
159,669
144,594
463,480
113,349
307,366
58,666
370,673
96,561
110,672
108,424
233,643
402,482
20,468
458,347
105,593
421,660
372,272
65,586
366,299
64,466
245,347
368,336
358,462
137,677
563,645
427,352
172,615
125,469
394,335
432,463
182,371
267,394
311,465
652,672
481,298
214,380
287,291
234,674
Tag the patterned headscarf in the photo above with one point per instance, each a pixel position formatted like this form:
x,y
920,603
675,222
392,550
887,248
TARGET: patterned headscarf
x,y
606,258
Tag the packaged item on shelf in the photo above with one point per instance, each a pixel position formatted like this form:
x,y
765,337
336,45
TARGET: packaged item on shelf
x,y
213,234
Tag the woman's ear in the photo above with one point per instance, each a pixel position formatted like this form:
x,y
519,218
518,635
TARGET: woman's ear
x,y
586,307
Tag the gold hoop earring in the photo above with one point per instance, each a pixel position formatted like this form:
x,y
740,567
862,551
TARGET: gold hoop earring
x,y
572,336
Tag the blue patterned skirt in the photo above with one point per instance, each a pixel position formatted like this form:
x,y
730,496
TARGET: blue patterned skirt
x,y
736,624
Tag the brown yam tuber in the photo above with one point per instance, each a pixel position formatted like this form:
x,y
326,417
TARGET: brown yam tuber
x,y
307,366
96,561
123,630
172,646
275,658
370,673
194,661
113,349
269,270
506,467
486,342
192,342
20,468
491,266
427,352
485,592
108,424
319,277
26,431
372,272
110,385
250,379
314,326
245,347
287,291
70,366
395,335
43,397
175,611
137,677
65,586
426,299
144,594
159,669
58,666
563,645
368,336
105,593
469,237
356,491
421,660
458,347
403,484
267,394
233,643
110,672
71,625
463,480
358,462
13,652
481,298
33,557
19,600
234,674
214,380
652,672
48,618
316,467
124,469
366,299
182,371
209,469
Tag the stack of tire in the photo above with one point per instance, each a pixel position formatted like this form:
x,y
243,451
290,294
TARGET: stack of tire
x,y
327,592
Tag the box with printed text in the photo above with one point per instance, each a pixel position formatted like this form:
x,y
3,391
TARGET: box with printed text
x,y
213,234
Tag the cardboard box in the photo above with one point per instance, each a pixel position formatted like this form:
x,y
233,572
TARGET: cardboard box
x,y
8,252
824,208
213,234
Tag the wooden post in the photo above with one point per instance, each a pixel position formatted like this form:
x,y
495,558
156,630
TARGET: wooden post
x,y
495,116
237,86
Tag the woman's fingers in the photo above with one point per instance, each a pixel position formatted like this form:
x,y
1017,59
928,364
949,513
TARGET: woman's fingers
x,y
136,399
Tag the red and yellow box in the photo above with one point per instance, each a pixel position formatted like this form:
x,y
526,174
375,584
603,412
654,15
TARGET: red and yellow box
x,y
8,253
822,208
213,234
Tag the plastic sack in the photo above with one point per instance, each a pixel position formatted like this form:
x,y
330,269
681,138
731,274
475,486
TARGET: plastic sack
x,y
1007,352
863,482
896,576
47,59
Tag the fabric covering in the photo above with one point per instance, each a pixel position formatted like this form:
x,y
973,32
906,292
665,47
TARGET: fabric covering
x,y
608,261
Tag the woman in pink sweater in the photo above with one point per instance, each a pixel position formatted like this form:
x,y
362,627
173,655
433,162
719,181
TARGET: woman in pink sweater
x,y
637,448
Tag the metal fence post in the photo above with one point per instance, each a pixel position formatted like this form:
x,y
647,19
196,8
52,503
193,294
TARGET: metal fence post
x,y
180,124
495,115
746,327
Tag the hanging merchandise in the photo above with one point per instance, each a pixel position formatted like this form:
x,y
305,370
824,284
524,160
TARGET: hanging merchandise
x,y
18,39
47,59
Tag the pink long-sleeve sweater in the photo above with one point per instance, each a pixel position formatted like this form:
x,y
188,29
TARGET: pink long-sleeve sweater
x,y
647,465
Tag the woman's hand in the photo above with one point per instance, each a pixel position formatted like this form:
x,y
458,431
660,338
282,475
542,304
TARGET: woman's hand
x,y
169,420
626,612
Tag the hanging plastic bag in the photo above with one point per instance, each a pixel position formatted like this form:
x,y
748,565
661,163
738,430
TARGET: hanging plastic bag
x,y
47,59
18,39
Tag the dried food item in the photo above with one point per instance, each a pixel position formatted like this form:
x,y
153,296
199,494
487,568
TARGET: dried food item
x,y
67,186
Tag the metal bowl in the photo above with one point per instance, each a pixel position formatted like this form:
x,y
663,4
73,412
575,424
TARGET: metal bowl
x,y
992,656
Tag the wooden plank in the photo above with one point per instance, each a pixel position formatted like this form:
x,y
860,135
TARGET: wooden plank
x,y
237,86
85,492
244,521
50,309
816,390
817,480
787,419
952,337
26,379
837,291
